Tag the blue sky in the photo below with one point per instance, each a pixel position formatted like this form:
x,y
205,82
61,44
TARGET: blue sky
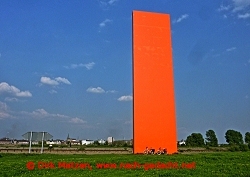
x,y
66,66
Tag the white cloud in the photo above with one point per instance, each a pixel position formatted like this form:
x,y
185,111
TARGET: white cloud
x,y
77,120
43,114
54,82
4,115
125,98
52,91
63,80
99,90
105,4
24,94
40,112
73,66
6,88
95,90
4,111
111,91
3,106
240,5
237,8
128,122
181,18
244,16
112,1
223,8
48,81
87,66
103,24
11,99
231,49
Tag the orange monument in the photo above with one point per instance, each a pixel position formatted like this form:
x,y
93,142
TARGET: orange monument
x,y
154,121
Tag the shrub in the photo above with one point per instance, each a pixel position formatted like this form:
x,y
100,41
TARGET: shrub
x,y
224,145
216,150
81,148
244,147
62,146
234,148
207,147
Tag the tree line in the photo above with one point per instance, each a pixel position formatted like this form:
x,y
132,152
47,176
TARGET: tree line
x,y
233,138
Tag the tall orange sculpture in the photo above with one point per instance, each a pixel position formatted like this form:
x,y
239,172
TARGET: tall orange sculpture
x,y
154,122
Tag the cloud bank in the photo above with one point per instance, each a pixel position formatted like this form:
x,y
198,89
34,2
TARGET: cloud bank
x,y
43,114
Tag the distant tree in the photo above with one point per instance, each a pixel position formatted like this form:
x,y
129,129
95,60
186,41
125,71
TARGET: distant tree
x,y
247,137
195,140
234,137
211,139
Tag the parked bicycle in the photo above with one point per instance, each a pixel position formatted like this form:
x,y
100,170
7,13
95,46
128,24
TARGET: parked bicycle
x,y
149,151
162,151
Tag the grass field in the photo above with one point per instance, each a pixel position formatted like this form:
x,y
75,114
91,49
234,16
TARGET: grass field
x,y
201,164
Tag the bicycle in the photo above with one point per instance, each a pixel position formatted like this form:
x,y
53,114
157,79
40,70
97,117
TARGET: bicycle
x,y
149,151
162,151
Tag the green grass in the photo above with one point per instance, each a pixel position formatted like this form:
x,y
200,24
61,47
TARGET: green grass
x,y
207,164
